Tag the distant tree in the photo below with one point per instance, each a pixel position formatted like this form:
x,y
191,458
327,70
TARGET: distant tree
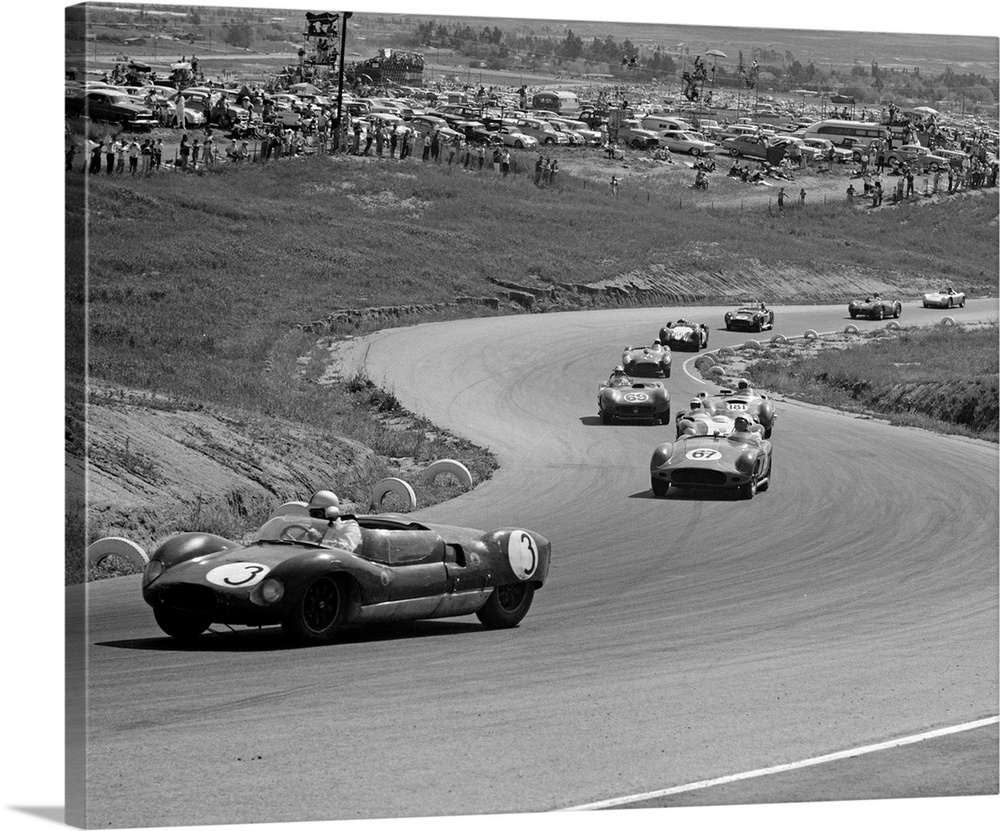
x,y
238,34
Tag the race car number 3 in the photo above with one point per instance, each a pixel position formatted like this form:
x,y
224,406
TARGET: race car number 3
x,y
237,575
522,553
703,454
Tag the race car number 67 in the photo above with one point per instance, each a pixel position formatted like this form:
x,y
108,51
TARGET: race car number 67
x,y
704,454
521,554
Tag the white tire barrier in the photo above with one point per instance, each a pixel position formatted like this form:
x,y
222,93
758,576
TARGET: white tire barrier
x,y
727,352
716,370
450,467
704,361
851,329
811,334
291,508
101,549
779,339
396,487
752,344
893,325
948,321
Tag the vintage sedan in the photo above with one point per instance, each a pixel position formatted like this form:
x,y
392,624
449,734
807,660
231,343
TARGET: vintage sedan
x,y
513,137
651,361
108,105
683,141
947,298
874,306
739,462
685,335
624,398
294,575
916,156
752,317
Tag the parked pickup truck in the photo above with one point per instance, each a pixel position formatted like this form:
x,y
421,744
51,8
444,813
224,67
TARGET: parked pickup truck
x,y
632,133
108,105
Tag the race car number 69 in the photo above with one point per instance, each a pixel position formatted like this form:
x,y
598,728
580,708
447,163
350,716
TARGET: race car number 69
x,y
521,554
703,454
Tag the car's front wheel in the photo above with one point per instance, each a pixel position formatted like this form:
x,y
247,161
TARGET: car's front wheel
x,y
181,625
897,309
695,151
519,145
319,612
660,487
506,606
749,490
733,151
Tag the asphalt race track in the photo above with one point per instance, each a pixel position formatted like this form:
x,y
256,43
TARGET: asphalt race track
x,y
678,639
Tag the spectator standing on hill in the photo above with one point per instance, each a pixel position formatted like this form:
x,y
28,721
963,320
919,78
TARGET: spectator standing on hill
x,y
195,151
909,182
185,152
497,155
369,138
158,153
120,147
133,157
426,140
539,164
553,170
146,154
179,112
356,149
482,156
878,193
781,200
614,186
802,198
505,161
404,148
850,193
109,155
70,153
379,141
208,149
95,157
393,139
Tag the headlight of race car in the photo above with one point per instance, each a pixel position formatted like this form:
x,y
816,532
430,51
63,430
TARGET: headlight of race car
x,y
269,591
660,455
154,568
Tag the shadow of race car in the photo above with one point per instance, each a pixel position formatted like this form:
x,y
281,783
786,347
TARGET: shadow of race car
x,y
292,574
651,361
684,335
752,317
621,397
738,462
875,307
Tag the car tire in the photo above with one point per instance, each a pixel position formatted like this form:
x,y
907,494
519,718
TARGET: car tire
x,y
665,418
606,417
897,309
506,606
519,145
767,482
319,611
184,626
660,487
695,151
878,313
854,314
767,431
961,303
734,151
548,142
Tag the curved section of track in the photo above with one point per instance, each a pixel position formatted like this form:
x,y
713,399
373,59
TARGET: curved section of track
x,y
678,639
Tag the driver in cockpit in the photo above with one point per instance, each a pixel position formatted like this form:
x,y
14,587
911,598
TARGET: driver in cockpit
x,y
342,533
619,378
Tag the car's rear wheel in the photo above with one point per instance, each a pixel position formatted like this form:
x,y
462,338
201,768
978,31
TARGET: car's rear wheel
x,y
181,625
695,151
897,309
519,144
319,612
733,151
660,487
506,606
961,303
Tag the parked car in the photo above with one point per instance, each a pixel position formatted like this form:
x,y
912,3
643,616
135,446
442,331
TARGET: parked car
x,y
513,137
682,141
840,154
633,134
916,156
109,105
542,131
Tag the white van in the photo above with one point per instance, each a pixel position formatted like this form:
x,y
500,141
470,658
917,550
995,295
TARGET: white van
x,y
659,123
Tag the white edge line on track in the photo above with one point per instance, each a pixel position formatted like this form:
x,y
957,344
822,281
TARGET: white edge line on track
x,y
816,760
688,372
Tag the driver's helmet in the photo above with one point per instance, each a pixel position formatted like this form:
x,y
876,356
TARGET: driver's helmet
x,y
695,403
320,503
656,344
742,385
742,425
618,371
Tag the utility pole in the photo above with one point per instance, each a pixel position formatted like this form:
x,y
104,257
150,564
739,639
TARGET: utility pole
x,y
340,75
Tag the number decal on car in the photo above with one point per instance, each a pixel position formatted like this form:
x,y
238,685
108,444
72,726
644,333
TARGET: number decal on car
x,y
736,405
703,454
237,575
636,396
522,554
